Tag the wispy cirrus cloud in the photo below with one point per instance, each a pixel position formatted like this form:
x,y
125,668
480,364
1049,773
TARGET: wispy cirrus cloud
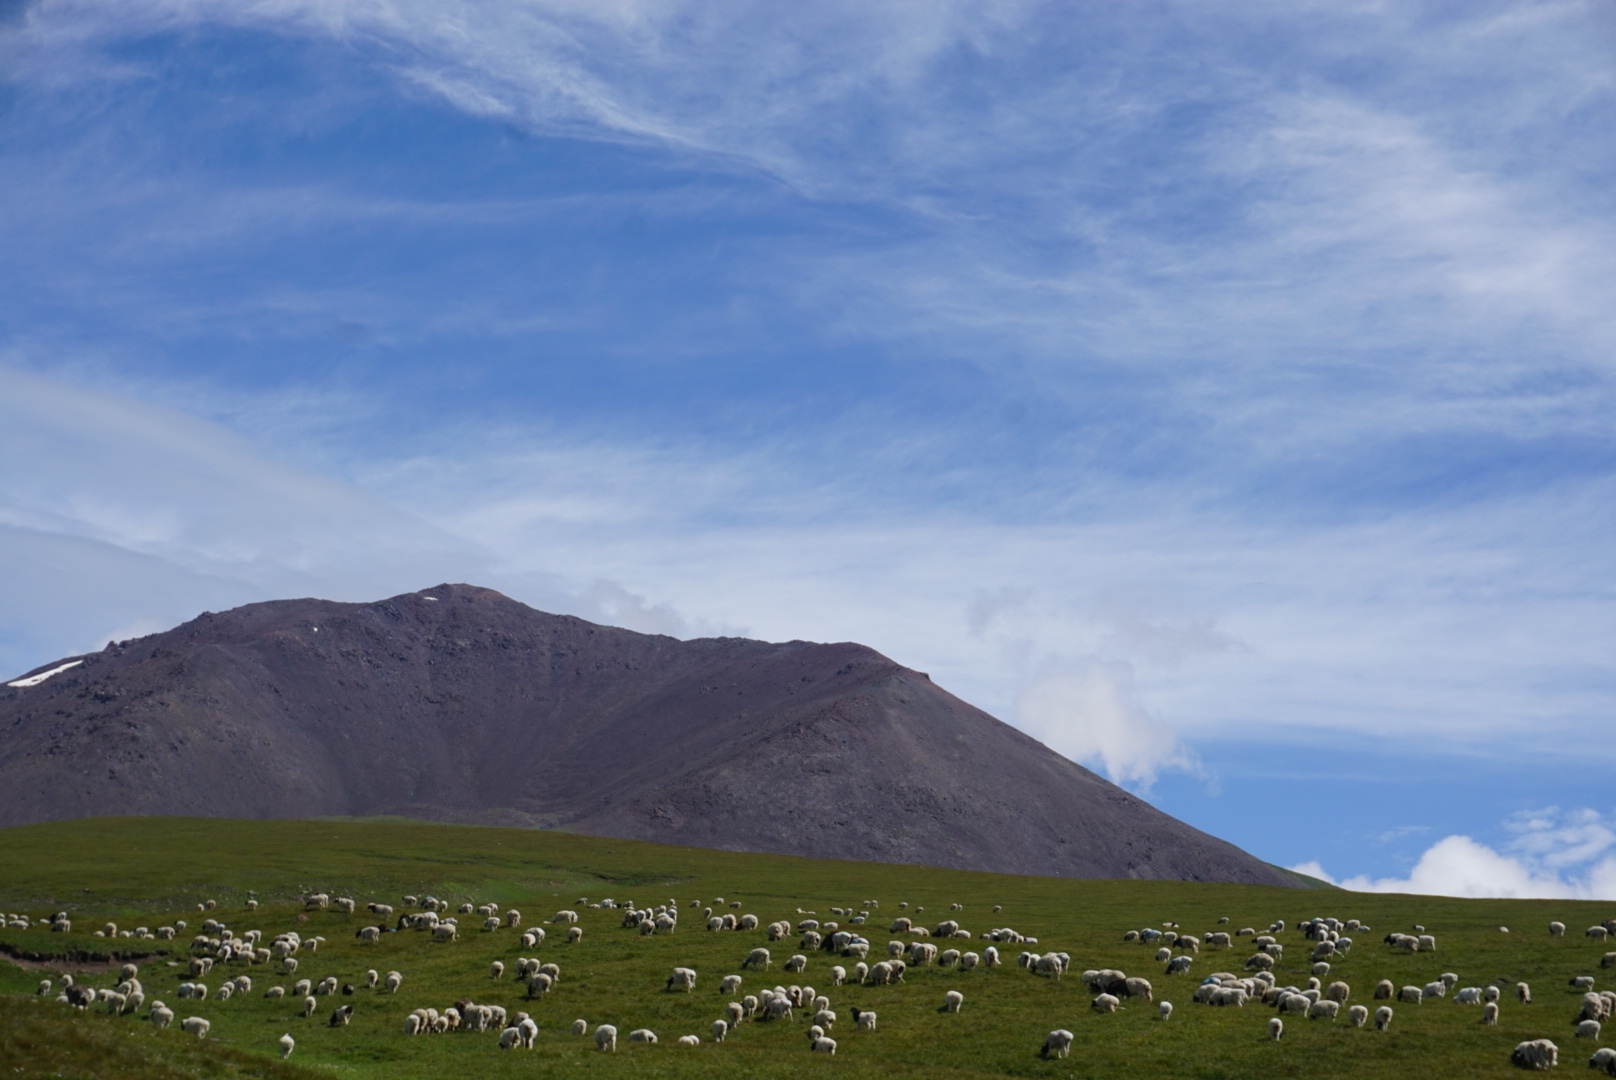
x,y
1178,373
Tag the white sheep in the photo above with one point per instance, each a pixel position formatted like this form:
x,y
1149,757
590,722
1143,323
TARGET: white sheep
x,y
161,1015
1470,995
1536,1054
1323,1009
1383,1018
1276,1028
1057,1043
683,978
1597,933
606,1037
864,1019
1106,1003
195,1025
1489,1013
798,962
392,982
643,1035
1587,1029
720,1029
1604,1060
1164,1010
580,1027
1358,1016
822,1044
953,1001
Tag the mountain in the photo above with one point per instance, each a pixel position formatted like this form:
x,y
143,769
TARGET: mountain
x,y
458,703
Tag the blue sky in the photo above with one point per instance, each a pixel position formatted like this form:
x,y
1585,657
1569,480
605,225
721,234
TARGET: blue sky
x,y
1222,393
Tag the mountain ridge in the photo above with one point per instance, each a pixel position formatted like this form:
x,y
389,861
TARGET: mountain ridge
x,y
457,703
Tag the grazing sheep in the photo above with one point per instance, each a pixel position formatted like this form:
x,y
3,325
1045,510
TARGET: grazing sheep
x,y
731,984
643,1035
575,935
1583,982
689,1040
495,970
1057,1043
1138,988
797,962
1276,1028
341,1017
1598,933
1164,1010
1383,1018
952,1001
1323,1009
1358,1016
864,1019
720,1029
1490,994
1105,1003
683,978
287,1044
1385,990
606,1037
392,982
1163,955
580,1027
1410,994
1535,1054
734,1012
510,1039
1489,1013
757,957
1604,1060
1470,995
1587,1029
1557,929
195,1025
309,1005
161,1015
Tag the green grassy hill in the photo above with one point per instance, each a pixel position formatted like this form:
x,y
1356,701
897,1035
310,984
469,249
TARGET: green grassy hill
x,y
151,872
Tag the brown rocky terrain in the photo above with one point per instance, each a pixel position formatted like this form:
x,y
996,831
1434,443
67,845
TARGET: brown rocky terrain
x,y
458,703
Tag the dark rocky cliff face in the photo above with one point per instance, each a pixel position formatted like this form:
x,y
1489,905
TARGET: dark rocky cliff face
x,y
458,703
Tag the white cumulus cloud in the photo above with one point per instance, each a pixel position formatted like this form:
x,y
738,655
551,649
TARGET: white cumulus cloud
x,y
1092,715
1551,854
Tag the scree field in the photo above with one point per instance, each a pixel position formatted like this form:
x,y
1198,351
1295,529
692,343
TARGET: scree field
x,y
155,872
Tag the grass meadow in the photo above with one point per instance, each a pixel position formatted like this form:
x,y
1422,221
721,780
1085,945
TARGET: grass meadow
x,y
151,872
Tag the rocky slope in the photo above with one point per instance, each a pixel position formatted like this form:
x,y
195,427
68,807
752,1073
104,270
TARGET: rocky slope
x,y
458,703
